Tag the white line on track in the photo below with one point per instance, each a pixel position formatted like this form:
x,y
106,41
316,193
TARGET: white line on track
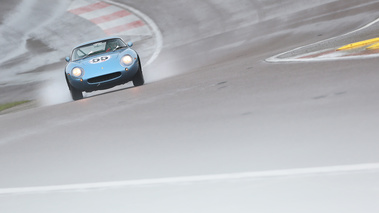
x,y
276,58
194,179
151,23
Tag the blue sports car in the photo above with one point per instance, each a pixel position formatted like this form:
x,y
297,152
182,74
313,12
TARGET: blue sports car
x,y
102,64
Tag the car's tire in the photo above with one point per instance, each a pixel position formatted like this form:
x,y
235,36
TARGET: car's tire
x,y
138,79
76,94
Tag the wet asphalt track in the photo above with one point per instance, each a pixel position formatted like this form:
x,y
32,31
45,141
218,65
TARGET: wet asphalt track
x,y
212,105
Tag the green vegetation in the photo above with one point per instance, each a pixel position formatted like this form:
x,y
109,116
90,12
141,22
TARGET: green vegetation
x,y
10,105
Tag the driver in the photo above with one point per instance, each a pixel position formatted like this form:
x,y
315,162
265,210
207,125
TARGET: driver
x,y
111,45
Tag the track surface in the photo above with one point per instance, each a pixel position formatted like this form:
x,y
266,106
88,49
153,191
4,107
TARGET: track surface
x,y
212,106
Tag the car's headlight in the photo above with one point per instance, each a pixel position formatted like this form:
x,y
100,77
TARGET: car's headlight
x,y
77,72
127,60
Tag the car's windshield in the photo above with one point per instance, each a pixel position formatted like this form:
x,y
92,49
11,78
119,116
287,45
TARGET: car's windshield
x,y
96,48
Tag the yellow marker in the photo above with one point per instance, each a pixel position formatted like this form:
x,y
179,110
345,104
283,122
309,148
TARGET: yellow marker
x,y
359,44
373,47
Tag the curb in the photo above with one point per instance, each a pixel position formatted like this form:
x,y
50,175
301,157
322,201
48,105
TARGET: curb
x,y
112,19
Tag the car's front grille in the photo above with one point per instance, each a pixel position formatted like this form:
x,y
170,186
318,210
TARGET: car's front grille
x,y
104,78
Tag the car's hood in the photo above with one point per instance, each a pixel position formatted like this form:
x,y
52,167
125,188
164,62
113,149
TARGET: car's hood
x,y
100,64
103,59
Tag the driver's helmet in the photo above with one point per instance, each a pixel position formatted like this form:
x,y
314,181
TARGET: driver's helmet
x,y
111,45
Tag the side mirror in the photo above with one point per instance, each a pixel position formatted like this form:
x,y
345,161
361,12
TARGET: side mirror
x,y
67,59
130,44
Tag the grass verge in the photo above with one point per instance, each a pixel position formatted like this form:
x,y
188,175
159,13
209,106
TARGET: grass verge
x,y
10,105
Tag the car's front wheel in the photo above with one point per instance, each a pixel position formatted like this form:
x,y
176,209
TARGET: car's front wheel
x,y
76,94
138,79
